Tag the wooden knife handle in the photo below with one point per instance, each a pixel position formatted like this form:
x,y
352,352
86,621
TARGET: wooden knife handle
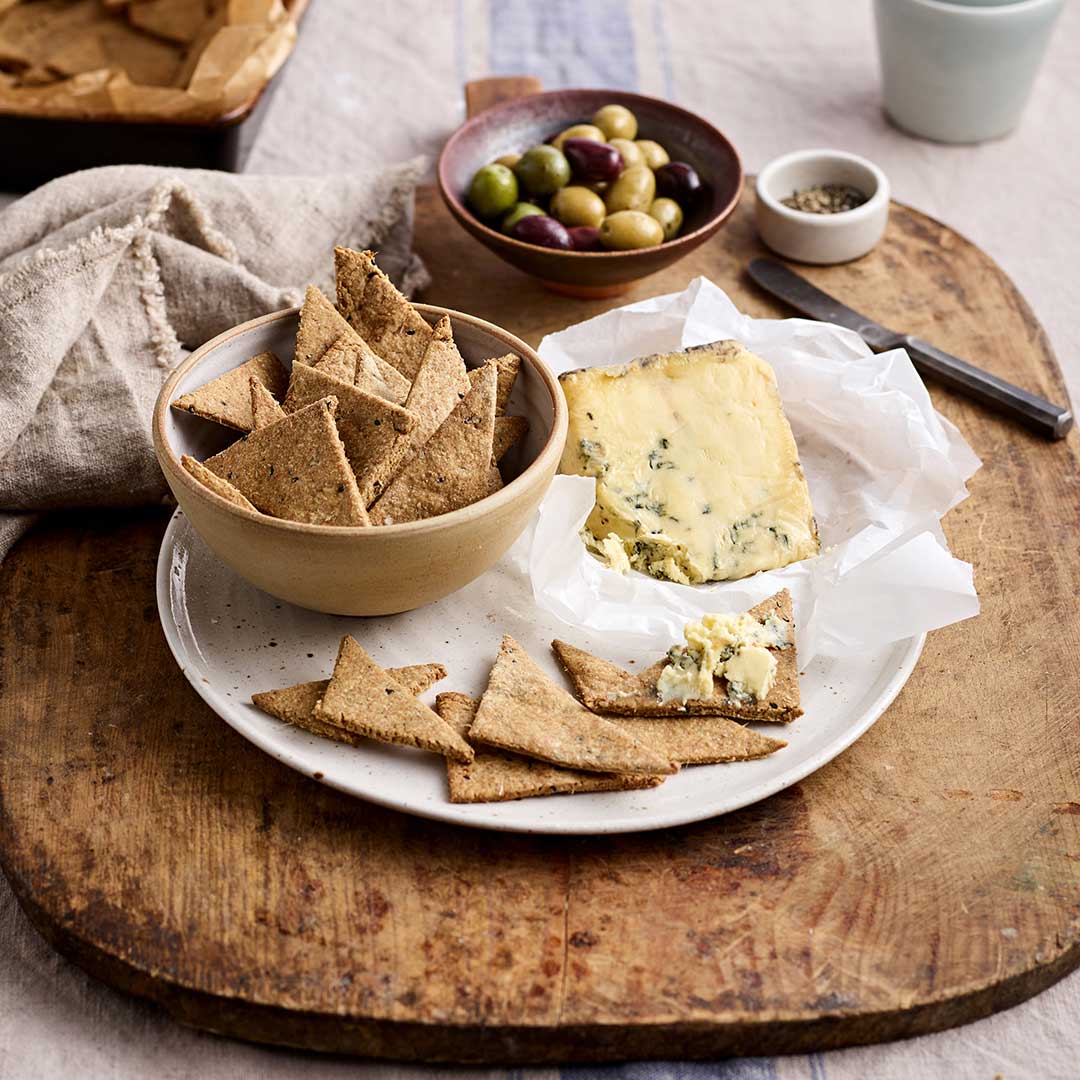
x,y
481,94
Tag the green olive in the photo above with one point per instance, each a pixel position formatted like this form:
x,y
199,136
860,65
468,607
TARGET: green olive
x,y
509,160
493,190
575,205
630,152
654,154
669,213
520,210
630,229
634,190
578,131
616,122
543,170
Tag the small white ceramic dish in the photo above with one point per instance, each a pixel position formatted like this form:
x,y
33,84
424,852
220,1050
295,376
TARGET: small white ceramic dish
x,y
821,238
231,639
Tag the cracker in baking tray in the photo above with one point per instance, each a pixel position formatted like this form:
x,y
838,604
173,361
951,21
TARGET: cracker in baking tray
x,y
611,690
508,431
264,409
700,740
498,775
296,704
378,312
366,700
227,399
373,430
453,468
524,711
351,360
214,482
295,469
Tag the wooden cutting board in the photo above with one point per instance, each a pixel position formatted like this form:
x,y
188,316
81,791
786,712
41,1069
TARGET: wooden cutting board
x,y
928,876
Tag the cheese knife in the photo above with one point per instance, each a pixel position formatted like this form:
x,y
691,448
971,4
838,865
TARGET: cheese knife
x,y
1049,420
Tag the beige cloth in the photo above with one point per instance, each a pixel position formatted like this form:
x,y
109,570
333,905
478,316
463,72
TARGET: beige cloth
x,y
108,278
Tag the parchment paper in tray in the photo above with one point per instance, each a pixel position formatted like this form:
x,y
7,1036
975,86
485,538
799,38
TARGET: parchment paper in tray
x,y
882,465
142,60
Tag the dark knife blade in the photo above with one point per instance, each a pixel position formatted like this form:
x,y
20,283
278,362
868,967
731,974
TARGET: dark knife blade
x,y
1049,420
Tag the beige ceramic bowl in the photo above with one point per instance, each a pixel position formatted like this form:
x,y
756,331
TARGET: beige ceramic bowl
x,y
361,571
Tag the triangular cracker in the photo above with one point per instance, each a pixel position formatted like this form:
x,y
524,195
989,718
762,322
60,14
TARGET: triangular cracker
x,y
497,775
524,711
351,360
609,689
214,482
508,431
264,408
378,312
508,367
366,700
321,324
295,469
700,740
227,399
453,468
296,704
374,431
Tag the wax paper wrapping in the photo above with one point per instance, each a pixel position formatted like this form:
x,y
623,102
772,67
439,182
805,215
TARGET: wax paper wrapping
x,y
882,465
146,59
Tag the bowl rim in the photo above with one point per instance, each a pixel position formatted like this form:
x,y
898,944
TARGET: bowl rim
x,y
848,218
461,212
548,456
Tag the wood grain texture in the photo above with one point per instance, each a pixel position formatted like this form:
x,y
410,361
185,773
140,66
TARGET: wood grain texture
x,y
928,876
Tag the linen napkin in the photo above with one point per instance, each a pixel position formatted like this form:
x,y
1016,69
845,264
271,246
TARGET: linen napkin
x,y
110,277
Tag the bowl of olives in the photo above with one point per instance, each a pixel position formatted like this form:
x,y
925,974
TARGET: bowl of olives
x,y
589,190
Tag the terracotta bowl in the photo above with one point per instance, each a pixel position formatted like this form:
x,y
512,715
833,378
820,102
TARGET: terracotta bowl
x,y
376,570
524,122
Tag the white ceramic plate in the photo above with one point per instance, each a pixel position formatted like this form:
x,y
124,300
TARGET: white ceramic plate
x,y
232,640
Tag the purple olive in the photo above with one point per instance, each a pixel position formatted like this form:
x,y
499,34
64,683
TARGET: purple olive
x,y
680,182
593,161
585,238
543,230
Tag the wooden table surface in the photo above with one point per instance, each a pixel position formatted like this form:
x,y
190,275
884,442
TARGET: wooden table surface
x,y
929,875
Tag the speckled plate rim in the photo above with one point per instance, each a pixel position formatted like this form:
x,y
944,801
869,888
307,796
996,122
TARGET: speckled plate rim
x,y
905,655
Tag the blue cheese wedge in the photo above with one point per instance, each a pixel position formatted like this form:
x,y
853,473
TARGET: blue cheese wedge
x,y
697,472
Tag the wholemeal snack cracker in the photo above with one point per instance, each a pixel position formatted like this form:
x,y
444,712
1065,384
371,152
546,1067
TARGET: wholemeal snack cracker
x,y
508,431
508,367
453,468
700,740
497,775
523,711
264,409
378,312
372,429
365,700
295,469
214,482
227,399
351,360
609,689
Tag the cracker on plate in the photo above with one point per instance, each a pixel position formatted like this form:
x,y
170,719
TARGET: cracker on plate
x,y
296,704
350,359
700,740
497,775
214,482
508,431
366,700
227,399
264,409
378,312
295,469
373,430
453,468
609,689
524,711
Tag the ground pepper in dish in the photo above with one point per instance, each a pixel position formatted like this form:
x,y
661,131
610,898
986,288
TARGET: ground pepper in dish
x,y
825,199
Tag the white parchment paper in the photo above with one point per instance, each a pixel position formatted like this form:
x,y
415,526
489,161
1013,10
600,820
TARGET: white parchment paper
x,y
882,465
